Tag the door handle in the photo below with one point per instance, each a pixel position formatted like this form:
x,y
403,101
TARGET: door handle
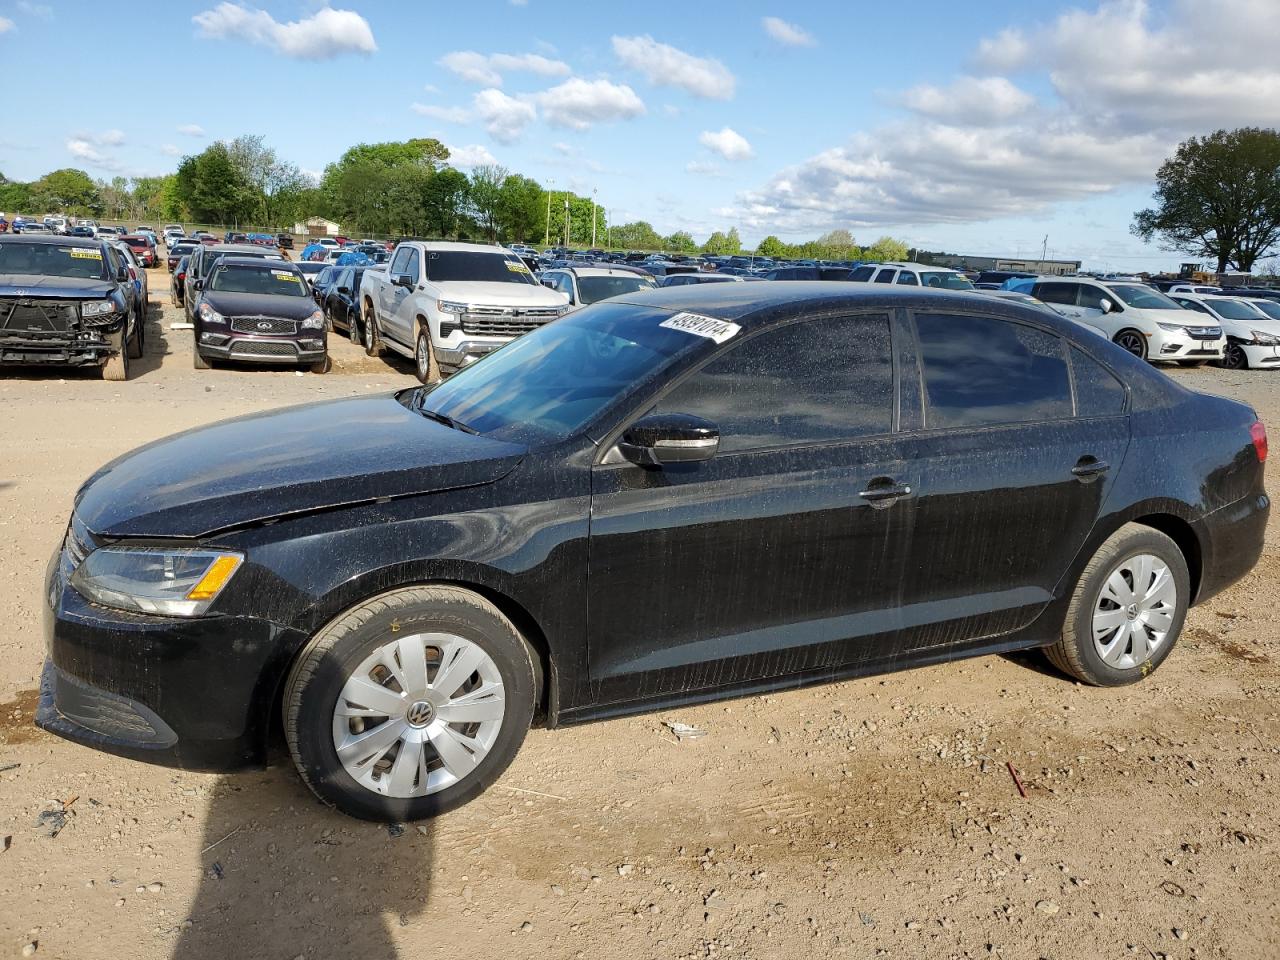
x,y
883,492
1088,469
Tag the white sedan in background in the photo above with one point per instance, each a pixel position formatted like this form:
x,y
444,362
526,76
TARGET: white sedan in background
x,y
1253,332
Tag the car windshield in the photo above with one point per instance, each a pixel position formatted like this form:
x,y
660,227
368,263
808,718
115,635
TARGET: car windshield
x,y
236,278
1269,307
593,289
944,279
52,260
1144,298
1233,309
550,383
452,266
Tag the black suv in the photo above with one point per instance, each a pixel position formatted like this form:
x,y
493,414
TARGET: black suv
x,y
67,300
258,310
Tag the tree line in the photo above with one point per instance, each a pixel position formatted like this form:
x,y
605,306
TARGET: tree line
x,y
392,189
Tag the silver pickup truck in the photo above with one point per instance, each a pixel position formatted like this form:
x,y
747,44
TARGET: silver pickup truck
x,y
447,304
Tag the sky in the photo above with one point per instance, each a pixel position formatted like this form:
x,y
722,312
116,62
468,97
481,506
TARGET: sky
x,y
979,129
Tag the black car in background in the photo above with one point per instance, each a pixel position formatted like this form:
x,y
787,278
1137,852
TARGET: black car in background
x,y
202,260
284,241
258,310
68,301
323,281
179,250
572,527
341,303
178,281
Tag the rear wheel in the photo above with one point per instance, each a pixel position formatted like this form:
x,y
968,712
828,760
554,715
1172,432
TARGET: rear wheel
x,y
410,704
1127,609
1133,341
353,326
135,341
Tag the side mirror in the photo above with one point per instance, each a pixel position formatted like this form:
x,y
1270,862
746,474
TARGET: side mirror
x,y
199,284
1106,305
122,275
346,290
662,438
549,284
403,280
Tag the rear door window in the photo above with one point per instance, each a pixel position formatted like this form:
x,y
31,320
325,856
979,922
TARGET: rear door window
x,y
980,370
1063,294
885,276
862,273
811,381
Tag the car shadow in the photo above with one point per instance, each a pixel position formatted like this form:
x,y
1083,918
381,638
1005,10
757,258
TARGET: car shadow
x,y
155,343
284,876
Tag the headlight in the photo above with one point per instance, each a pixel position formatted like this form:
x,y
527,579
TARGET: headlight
x,y
1266,339
172,583
449,306
210,315
96,308
315,321
1172,327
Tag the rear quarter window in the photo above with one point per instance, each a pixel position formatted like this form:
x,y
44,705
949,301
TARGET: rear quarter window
x,y
1098,392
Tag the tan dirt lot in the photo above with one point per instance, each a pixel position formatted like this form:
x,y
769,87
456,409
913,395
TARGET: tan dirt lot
x,y
873,818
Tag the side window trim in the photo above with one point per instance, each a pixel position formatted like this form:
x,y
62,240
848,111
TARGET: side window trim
x,y
611,437
1071,369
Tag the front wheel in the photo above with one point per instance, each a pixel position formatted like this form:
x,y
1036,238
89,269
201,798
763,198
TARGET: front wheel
x,y
1234,358
424,358
117,367
322,366
1133,341
1127,609
410,704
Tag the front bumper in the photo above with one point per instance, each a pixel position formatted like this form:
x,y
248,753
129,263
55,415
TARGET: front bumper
x,y
467,352
1260,356
76,348
1164,345
285,350
197,693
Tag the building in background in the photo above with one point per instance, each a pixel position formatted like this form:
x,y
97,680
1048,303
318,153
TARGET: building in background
x,y
317,227
958,261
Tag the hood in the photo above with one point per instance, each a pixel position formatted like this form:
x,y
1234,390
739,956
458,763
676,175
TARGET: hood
x,y
259,304
499,294
270,465
1188,318
69,288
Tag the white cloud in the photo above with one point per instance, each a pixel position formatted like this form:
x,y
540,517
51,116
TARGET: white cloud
x,y
191,130
974,100
487,69
579,103
325,34
41,10
1130,82
667,66
170,150
727,142
447,114
504,117
471,155
563,148
787,33
111,138
6,25
95,149
704,168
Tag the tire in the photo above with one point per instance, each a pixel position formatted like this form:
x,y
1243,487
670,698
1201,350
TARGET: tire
x,y
135,341
198,360
1077,653
468,629
1234,358
424,357
116,369
354,330
321,366
1133,341
372,339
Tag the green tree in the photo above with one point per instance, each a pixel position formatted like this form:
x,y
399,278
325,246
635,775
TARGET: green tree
x,y
521,209
212,188
836,245
579,213
771,246
486,190
1218,196
67,190
638,235
15,197
680,242
886,248
444,201
721,244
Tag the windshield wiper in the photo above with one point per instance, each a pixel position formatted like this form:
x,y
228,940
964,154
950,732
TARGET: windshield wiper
x,y
447,420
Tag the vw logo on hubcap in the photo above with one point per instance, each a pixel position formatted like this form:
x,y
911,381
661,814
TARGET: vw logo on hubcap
x,y
1132,611
420,713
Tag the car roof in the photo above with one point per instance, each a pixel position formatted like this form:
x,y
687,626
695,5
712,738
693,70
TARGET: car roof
x,y
232,261
50,238
753,304
912,265
443,246
249,249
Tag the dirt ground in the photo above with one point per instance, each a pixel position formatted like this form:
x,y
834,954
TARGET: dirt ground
x,y
874,818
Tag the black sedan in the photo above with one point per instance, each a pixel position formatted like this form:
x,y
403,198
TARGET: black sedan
x,y
341,301
681,496
258,310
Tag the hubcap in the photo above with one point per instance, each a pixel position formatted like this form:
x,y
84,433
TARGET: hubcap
x,y
418,714
424,362
1132,344
1134,611
368,332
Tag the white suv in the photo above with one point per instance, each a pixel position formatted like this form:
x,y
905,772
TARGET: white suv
x,y
1137,317
585,285
911,275
1253,333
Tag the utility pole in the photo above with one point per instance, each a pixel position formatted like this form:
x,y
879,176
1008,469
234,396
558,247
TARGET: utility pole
x,y
593,218
566,223
1044,248
546,236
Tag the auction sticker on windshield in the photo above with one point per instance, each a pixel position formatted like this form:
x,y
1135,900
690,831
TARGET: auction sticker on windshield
x,y
82,253
516,267
285,276
699,326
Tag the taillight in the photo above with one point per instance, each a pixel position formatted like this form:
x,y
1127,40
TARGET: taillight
x,y
1259,434
182,276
